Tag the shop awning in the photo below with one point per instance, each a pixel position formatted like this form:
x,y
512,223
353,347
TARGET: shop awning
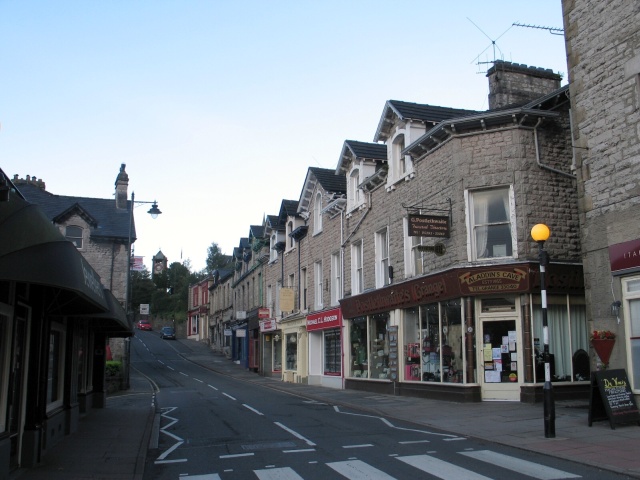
x,y
33,251
115,322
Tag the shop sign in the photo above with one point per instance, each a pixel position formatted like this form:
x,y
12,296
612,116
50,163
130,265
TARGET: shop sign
x,y
428,226
241,314
323,320
624,257
268,325
286,299
264,313
227,332
496,280
241,333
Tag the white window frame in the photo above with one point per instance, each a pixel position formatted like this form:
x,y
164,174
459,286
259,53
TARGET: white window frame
x,y
336,279
273,254
317,287
474,224
291,242
354,194
413,258
317,213
631,297
304,286
357,272
382,257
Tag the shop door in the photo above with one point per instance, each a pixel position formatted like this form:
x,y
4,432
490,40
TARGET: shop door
x,y
499,359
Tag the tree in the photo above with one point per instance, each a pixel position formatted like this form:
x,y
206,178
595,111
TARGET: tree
x,y
215,258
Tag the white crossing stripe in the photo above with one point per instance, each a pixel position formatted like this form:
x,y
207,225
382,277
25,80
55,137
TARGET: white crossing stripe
x,y
209,476
441,469
277,474
525,467
358,470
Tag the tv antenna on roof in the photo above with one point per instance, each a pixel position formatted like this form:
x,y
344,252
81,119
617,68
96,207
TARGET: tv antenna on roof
x,y
493,44
551,30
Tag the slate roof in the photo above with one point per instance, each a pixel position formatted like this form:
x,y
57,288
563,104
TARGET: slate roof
x,y
288,208
360,150
427,114
107,221
256,231
330,181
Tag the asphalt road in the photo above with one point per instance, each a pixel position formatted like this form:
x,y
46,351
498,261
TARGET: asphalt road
x,y
216,427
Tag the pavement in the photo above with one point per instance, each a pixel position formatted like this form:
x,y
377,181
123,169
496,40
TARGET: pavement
x,y
112,443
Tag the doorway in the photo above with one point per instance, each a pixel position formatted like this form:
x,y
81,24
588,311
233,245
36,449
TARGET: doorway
x,y
500,364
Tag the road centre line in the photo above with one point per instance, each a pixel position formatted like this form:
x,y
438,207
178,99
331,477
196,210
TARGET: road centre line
x,y
211,386
295,434
252,409
364,445
237,455
227,395
300,450
198,380
171,368
182,373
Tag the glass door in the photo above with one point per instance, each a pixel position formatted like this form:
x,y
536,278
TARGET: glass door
x,y
499,347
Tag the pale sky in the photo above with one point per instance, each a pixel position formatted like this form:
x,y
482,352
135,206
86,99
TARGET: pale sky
x,y
218,108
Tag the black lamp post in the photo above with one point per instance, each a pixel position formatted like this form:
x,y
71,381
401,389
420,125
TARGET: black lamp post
x,y
540,233
154,211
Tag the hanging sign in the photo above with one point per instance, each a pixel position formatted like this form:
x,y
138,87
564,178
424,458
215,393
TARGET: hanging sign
x,y
612,398
428,226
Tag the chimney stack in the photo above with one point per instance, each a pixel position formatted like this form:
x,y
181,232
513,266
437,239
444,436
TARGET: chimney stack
x,y
122,184
517,84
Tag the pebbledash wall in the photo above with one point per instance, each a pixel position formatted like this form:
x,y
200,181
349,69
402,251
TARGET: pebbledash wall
x,y
603,52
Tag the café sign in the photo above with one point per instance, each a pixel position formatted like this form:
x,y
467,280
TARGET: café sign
x,y
625,257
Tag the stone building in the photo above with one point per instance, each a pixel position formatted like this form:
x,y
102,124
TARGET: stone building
x,y
57,314
603,53
441,275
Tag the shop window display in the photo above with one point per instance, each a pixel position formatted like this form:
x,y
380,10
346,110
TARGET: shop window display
x,y
292,351
370,347
433,343
277,353
332,356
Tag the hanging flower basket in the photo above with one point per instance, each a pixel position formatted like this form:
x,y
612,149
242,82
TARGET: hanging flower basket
x,y
603,342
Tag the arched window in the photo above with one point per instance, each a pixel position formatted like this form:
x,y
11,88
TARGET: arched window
x,y
291,243
353,190
74,235
317,213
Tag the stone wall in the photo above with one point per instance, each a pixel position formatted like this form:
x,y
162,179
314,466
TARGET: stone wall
x,y
603,52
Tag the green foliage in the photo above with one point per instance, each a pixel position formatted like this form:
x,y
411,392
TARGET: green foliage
x,y
215,258
113,368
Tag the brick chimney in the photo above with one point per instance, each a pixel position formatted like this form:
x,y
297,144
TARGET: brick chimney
x,y
122,184
516,84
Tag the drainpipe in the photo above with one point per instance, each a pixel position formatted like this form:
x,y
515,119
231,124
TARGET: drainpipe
x,y
540,164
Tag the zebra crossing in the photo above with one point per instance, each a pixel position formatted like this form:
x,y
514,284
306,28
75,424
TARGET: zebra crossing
x,y
354,469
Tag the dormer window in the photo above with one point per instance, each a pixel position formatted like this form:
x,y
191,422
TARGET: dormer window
x,y
354,198
400,165
74,235
317,213
273,253
291,242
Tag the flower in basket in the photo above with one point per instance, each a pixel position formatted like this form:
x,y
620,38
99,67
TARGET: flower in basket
x,y
602,335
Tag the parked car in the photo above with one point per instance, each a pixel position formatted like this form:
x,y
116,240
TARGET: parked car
x,y
168,333
143,325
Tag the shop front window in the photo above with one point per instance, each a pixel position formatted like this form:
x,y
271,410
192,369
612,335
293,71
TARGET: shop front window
x,y
433,343
379,346
358,341
291,351
277,353
568,340
370,347
332,363
631,291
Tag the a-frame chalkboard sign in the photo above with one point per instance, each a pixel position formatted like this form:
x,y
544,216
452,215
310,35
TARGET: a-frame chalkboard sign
x,y
612,398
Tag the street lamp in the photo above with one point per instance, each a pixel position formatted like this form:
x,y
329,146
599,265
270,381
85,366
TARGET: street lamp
x,y
540,233
154,211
